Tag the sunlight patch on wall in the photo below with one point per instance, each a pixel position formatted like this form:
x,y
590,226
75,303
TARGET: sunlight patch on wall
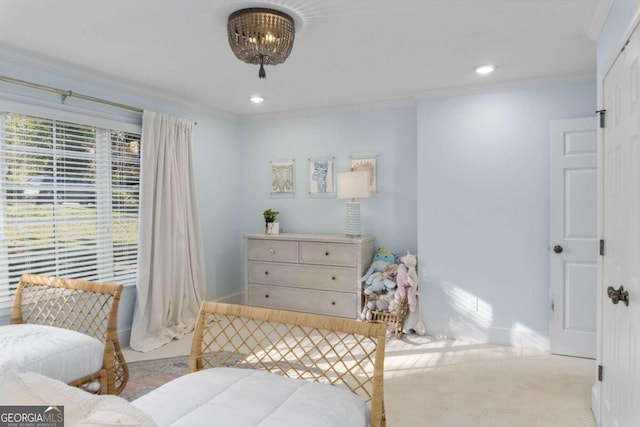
x,y
522,336
469,306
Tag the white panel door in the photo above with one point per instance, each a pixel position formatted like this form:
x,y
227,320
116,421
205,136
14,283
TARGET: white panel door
x,y
620,390
573,259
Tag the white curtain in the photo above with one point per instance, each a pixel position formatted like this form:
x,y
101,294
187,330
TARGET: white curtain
x,y
171,270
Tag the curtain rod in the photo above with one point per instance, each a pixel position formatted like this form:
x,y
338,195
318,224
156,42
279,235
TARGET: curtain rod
x,y
67,93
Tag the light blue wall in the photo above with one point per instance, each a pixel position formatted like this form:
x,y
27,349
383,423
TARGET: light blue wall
x,y
216,156
463,182
390,215
483,210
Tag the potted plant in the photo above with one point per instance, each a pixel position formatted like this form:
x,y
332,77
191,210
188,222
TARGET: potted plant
x,y
272,227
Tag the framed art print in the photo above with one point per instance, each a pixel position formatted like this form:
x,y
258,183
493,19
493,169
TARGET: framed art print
x,y
321,176
282,174
369,164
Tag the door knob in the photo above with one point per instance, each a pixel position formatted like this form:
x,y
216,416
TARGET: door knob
x,y
618,295
557,249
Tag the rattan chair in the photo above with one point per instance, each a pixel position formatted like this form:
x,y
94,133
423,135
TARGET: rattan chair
x,y
342,352
87,307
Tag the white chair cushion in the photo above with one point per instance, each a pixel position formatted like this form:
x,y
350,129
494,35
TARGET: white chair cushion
x,y
55,352
249,398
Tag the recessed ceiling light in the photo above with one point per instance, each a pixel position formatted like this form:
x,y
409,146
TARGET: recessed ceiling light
x,y
256,99
484,69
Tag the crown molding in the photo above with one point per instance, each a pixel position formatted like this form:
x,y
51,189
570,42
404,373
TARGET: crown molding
x,y
332,110
598,19
105,80
477,89
474,89
86,75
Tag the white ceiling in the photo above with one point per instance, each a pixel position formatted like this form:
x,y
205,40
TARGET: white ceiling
x,y
346,51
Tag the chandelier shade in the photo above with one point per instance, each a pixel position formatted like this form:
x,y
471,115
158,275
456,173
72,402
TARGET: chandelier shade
x,y
261,36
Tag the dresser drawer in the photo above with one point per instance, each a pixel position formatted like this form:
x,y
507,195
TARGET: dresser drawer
x,y
272,250
306,300
328,253
303,276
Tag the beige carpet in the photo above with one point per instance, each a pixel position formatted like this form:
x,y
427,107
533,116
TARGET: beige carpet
x,y
444,383
452,383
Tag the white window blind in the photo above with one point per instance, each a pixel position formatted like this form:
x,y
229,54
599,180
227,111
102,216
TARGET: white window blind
x,y
69,201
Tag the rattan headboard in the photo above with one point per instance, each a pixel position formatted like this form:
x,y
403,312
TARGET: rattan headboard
x,y
340,352
80,305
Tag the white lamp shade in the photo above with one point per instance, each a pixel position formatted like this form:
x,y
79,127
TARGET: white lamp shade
x,y
353,185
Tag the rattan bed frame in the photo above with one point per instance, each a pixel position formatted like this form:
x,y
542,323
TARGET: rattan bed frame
x,y
83,306
330,350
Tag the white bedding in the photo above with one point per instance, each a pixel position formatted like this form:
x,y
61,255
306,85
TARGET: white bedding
x,y
54,352
80,408
244,398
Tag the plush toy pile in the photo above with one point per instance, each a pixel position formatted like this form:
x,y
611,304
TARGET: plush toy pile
x,y
386,283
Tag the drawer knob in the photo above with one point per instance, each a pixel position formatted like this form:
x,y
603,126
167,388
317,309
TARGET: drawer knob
x,y
333,303
272,251
333,277
327,253
266,295
266,272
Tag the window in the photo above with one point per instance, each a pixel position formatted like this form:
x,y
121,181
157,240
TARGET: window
x,y
69,201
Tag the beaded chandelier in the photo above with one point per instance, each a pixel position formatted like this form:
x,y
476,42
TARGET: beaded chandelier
x,y
261,36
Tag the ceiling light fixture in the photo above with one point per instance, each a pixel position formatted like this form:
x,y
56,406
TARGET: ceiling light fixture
x,y
256,99
261,36
484,69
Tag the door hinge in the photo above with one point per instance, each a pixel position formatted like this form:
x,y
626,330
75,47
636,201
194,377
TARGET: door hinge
x,y
553,308
600,369
601,113
625,46
602,247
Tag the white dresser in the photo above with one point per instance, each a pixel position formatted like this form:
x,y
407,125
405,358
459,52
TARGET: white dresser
x,y
312,273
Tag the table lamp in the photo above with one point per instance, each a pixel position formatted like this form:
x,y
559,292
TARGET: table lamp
x,y
353,185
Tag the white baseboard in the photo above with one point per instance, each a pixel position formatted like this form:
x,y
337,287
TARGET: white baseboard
x,y
237,298
124,336
472,332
